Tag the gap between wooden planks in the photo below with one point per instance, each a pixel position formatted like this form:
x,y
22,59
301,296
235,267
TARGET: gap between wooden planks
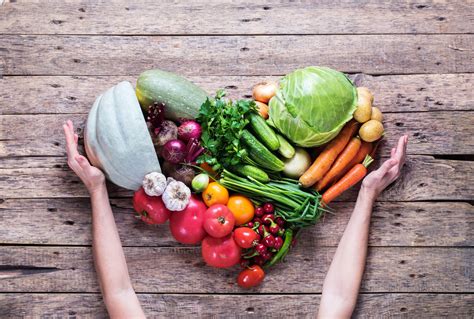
x,y
171,269
67,221
393,93
229,17
423,178
433,133
413,305
234,55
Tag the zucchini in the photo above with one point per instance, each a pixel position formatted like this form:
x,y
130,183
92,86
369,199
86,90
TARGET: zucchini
x,y
260,154
264,132
252,171
182,98
286,149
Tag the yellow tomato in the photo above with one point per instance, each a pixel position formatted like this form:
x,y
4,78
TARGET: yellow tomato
x,y
242,208
215,193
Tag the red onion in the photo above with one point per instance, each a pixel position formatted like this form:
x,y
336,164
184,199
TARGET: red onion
x,y
174,151
189,129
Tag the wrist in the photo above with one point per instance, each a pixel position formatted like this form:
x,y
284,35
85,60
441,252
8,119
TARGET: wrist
x,y
367,194
98,190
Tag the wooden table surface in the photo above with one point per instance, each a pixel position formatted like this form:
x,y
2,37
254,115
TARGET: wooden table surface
x,y
417,56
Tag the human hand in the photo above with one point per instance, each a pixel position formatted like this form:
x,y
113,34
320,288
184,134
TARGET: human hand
x,y
91,176
390,170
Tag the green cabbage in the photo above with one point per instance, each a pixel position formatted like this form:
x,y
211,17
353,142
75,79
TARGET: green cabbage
x,y
312,105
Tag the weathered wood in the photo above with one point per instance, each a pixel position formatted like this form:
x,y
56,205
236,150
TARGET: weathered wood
x,y
234,55
153,270
240,306
228,17
429,133
31,221
423,178
75,94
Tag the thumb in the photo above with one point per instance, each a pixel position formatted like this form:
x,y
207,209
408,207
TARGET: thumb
x,y
387,165
83,162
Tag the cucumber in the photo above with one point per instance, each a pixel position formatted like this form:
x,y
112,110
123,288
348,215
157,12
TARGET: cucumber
x,y
264,132
286,149
252,171
260,154
182,99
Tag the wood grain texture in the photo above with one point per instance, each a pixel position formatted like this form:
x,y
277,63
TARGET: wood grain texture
x,y
432,133
240,306
229,17
75,94
234,55
154,270
423,178
68,222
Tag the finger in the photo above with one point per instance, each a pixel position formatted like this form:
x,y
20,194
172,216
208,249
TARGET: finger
x,y
392,152
76,138
71,145
400,149
83,162
386,166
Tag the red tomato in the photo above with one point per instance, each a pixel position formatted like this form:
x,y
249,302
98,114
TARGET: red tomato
x,y
218,221
151,209
187,225
220,252
245,237
251,277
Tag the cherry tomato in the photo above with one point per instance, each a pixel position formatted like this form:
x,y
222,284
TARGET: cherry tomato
x,y
251,277
220,252
218,221
245,237
187,225
242,208
215,193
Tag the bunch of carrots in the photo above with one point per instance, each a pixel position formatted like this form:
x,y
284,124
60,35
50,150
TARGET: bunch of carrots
x,y
341,165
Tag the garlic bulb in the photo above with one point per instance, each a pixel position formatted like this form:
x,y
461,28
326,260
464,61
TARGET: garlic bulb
x,y
176,196
154,184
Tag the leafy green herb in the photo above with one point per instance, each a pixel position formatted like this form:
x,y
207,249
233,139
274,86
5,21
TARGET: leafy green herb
x,y
222,122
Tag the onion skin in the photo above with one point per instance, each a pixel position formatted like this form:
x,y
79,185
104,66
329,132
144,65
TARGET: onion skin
x,y
262,109
174,151
264,91
188,130
180,173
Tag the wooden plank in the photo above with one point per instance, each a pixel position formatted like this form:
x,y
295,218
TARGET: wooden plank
x,y
169,269
424,178
234,55
227,17
30,221
241,306
434,133
75,94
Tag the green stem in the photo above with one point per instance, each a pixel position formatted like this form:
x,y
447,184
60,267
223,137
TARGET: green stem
x,y
283,250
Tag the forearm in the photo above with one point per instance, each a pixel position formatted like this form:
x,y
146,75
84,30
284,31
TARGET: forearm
x,y
343,279
110,263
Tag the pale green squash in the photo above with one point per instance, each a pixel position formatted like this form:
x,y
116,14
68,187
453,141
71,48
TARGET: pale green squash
x,y
117,139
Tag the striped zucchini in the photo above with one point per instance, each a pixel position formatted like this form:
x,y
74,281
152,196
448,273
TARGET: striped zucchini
x,y
286,149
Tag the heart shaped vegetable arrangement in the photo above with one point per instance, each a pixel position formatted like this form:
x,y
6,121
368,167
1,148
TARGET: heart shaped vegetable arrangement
x,y
238,176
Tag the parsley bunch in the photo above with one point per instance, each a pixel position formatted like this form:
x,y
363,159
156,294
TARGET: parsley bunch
x,y
222,122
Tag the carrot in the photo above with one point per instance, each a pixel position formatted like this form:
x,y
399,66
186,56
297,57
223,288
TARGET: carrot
x,y
364,150
352,177
323,162
341,162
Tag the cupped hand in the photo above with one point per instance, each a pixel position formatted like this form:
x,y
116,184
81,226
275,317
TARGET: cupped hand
x,y
390,170
91,176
